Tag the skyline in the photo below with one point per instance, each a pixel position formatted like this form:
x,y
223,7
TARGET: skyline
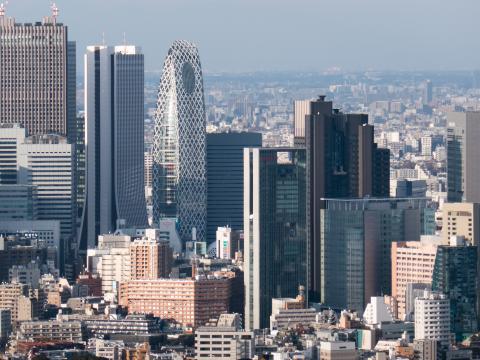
x,y
409,40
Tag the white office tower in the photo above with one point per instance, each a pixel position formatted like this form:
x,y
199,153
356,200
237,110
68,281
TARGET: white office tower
x,y
377,311
47,162
432,317
114,116
179,147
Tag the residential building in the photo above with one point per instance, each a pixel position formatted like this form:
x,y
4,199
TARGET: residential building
x,y
432,317
135,324
412,263
275,229
111,260
52,330
114,140
337,350
9,296
150,259
461,219
179,146
225,179
224,338
189,302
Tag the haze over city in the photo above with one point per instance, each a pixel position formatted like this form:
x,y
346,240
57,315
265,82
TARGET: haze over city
x,y
277,35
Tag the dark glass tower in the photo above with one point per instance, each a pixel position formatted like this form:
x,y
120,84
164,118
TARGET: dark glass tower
x,y
455,275
342,162
275,229
225,179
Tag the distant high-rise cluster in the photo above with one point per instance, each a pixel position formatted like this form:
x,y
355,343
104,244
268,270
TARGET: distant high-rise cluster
x,y
232,221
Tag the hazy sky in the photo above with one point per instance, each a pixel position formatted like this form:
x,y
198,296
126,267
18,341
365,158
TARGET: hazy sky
x,y
303,35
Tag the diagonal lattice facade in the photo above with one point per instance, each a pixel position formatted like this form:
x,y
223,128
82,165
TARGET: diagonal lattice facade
x,y
179,148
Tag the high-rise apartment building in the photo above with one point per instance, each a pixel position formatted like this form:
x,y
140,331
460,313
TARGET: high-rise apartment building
x,y
355,246
114,115
342,162
150,259
432,317
274,228
111,260
412,263
191,302
461,219
179,145
455,275
37,76
225,179
463,169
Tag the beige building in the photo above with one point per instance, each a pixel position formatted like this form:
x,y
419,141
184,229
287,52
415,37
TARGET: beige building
x,y
51,330
412,263
337,350
224,338
461,219
9,298
189,302
150,259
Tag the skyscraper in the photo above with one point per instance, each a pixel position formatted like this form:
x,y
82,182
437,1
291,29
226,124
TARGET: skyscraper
x,y
342,162
463,168
455,275
37,76
179,148
356,236
225,179
114,115
274,228
427,95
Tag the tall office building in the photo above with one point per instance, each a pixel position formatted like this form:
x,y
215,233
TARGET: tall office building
x,y
47,162
11,136
455,275
427,95
274,228
114,115
356,236
179,147
37,76
225,179
342,162
301,108
463,168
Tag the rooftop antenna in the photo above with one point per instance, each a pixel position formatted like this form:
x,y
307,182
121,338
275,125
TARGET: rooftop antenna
x,y
2,8
124,39
55,11
103,38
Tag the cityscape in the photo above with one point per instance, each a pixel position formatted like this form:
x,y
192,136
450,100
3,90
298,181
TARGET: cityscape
x,y
178,211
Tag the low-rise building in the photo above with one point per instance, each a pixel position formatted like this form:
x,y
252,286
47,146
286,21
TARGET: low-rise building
x,y
53,330
224,339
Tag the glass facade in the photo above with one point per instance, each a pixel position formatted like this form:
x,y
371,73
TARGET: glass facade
x,y
355,246
276,249
455,275
179,147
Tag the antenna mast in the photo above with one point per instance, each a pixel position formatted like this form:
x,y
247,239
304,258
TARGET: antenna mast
x,y
55,12
2,8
